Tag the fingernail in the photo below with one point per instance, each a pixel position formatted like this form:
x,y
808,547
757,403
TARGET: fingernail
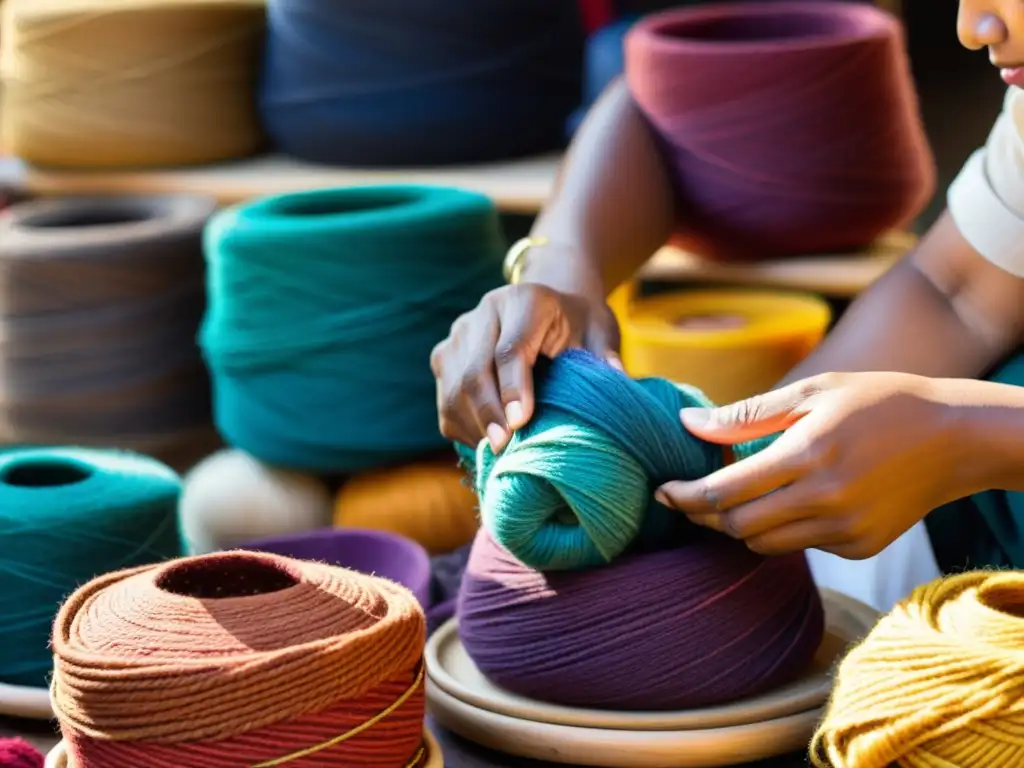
x,y
514,414
695,417
496,436
616,363
661,498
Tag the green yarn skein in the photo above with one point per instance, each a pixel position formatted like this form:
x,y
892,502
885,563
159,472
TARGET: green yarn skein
x,y
68,515
574,488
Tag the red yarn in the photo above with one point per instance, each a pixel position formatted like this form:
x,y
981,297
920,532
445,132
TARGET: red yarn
x,y
791,127
240,659
16,753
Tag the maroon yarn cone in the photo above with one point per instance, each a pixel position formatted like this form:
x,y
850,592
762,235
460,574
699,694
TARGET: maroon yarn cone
x,y
791,128
690,627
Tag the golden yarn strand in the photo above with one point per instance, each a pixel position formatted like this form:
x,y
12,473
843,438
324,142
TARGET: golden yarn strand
x,y
938,683
356,731
123,83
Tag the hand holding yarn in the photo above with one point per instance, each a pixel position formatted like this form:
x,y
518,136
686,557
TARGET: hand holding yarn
x,y
484,367
857,466
574,487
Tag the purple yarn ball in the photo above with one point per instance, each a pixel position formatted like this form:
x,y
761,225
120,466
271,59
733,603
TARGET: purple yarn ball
x,y
703,624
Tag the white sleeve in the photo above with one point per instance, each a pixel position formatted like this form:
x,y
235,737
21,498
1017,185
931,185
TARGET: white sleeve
x,y
987,198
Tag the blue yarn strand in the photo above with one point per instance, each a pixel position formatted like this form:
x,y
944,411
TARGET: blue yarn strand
x,y
575,487
323,308
68,515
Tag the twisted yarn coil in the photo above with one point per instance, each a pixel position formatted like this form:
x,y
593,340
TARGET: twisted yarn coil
x,y
938,683
67,515
401,82
574,488
323,310
790,127
428,502
102,301
701,624
240,658
95,84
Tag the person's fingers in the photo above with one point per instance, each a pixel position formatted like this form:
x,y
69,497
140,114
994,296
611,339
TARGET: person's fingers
x,y
775,509
470,386
602,339
809,533
755,417
776,466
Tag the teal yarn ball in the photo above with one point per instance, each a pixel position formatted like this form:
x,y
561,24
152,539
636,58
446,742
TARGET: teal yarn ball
x,y
323,309
68,515
575,487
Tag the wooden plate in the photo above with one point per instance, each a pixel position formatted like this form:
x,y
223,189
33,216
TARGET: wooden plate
x,y
452,671
25,702
58,756
607,748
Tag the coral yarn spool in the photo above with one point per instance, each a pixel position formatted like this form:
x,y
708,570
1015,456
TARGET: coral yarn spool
x,y
703,624
240,658
430,503
791,127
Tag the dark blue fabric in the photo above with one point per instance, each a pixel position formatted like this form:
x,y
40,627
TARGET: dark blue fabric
x,y
603,61
407,82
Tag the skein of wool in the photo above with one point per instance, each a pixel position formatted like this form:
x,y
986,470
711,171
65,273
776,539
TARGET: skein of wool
x,y
240,659
67,515
102,301
938,683
17,753
574,488
703,624
790,127
428,502
230,498
97,84
401,82
323,309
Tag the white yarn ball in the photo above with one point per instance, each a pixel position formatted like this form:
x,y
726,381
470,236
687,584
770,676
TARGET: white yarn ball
x,y
230,498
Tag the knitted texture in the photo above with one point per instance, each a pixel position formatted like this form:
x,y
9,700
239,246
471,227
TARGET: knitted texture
x,y
240,658
574,488
16,753
938,683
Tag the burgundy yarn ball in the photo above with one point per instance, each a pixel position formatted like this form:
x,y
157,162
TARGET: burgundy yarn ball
x,y
16,753
790,128
695,626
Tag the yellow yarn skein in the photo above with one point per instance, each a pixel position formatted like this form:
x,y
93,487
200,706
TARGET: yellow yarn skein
x,y
938,683
429,503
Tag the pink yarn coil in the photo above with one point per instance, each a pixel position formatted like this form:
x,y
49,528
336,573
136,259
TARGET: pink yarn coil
x,y
791,127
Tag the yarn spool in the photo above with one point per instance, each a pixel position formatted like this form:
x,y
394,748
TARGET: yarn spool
x,y
230,498
376,553
67,515
400,82
321,363
701,624
240,659
730,344
770,158
574,487
938,682
94,84
428,502
103,297
17,753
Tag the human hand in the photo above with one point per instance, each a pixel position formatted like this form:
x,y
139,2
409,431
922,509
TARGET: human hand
x,y
484,368
864,456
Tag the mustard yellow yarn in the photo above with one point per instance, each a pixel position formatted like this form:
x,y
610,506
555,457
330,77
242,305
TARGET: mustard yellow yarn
x,y
428,503
938,683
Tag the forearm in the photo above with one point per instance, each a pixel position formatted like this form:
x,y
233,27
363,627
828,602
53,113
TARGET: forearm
x,y
987,421
612,208
942,312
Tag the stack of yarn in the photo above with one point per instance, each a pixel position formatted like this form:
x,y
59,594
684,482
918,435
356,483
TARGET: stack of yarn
x,y
578,572
323,309
241,658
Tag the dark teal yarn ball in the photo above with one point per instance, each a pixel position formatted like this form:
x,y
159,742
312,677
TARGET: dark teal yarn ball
x,y
323,308
575,487
68,515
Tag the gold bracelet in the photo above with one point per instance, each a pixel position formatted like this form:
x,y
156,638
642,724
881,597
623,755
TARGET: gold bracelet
x,y
515,259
